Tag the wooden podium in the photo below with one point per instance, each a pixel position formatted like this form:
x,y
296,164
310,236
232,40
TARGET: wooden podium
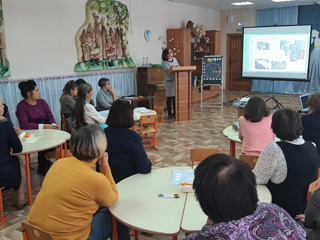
x,y
183,81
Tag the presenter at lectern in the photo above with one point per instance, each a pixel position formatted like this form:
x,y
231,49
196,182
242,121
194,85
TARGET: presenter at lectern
x,y
167,62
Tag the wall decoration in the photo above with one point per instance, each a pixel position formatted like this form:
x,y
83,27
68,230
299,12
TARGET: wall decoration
x,y
102,40
4,63
147,35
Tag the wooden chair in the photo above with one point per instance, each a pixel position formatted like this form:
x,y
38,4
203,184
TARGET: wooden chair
x,y
151,121
31,232
160,111
250,159
312,187
2,218
199,154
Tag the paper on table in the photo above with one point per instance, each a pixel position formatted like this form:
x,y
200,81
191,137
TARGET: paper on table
x,y
179,176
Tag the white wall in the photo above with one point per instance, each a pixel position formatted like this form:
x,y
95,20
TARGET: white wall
x,y
244,15
40,34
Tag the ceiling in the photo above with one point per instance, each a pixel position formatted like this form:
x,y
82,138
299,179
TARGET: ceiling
x,y
226,4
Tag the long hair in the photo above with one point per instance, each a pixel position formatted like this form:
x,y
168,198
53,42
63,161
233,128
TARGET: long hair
x,y
68,87
2,118
83,89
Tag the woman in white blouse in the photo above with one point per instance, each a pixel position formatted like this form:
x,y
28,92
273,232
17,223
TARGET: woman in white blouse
x,y
290,165
84,112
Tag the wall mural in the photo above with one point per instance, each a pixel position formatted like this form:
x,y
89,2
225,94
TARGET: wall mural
x,y
4,63
102,40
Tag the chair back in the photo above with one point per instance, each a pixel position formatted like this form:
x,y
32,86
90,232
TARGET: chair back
x,y
312,187
199,154
250,159
149,119
160,111
31,232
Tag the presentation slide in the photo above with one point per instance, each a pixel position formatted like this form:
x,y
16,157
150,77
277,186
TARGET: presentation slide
x,y
278,52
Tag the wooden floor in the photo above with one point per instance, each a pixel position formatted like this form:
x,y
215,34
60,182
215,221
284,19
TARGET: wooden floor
x,y
204,131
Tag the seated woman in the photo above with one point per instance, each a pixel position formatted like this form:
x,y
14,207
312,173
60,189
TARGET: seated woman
x,y
255,126
127,155
290,165
34,113
73,200
12,172
106,95
226,190
68,101
84,112
311,122
311,217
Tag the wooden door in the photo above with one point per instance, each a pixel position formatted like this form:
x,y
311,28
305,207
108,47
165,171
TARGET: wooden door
x,y
234,63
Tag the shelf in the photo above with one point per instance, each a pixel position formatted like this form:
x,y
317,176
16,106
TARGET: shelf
x,y
199,51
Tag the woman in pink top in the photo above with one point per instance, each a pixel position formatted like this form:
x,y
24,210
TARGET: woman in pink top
x,y
255,127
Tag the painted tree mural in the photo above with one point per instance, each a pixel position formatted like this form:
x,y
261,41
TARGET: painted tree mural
x,y
4,63
102,40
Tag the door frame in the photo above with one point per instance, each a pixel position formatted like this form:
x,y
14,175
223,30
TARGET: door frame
x,y
228,82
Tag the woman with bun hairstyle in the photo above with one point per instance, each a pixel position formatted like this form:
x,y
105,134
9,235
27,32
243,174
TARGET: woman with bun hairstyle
x,y
34,113
68,101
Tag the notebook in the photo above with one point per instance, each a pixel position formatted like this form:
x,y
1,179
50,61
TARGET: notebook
x,y
303,102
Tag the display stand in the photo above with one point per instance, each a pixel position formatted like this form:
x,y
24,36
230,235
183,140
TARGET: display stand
x,y
212,75
183,78
278,104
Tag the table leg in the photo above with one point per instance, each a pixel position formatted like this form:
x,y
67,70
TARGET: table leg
x,y
135,234
65,149
175,238
28,179
61,151
114,229
232,148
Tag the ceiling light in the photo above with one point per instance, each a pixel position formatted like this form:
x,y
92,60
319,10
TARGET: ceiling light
x,y
282,0
241,3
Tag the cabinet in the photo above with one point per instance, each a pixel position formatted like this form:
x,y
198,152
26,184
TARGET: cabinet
x,y
179,41
204,46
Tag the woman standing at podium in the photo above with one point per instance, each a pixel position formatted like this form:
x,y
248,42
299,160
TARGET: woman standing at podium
x,y
167,62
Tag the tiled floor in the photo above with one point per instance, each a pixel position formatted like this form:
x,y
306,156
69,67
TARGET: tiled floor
x,y
204,131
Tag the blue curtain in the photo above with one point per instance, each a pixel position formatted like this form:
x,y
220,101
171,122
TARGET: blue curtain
x,y
310,15
122,80
271,17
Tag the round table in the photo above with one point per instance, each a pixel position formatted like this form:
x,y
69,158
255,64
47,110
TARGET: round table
x,y
140,208
43,139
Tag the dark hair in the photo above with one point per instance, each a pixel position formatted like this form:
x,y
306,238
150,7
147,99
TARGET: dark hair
x,y
256,109
83,89
225,188
314,102
70,85
27,87
165,54
88,143
120,114
103,81
80,81
286,124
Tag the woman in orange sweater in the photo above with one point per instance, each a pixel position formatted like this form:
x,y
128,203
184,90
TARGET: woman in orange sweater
x,y
72,192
